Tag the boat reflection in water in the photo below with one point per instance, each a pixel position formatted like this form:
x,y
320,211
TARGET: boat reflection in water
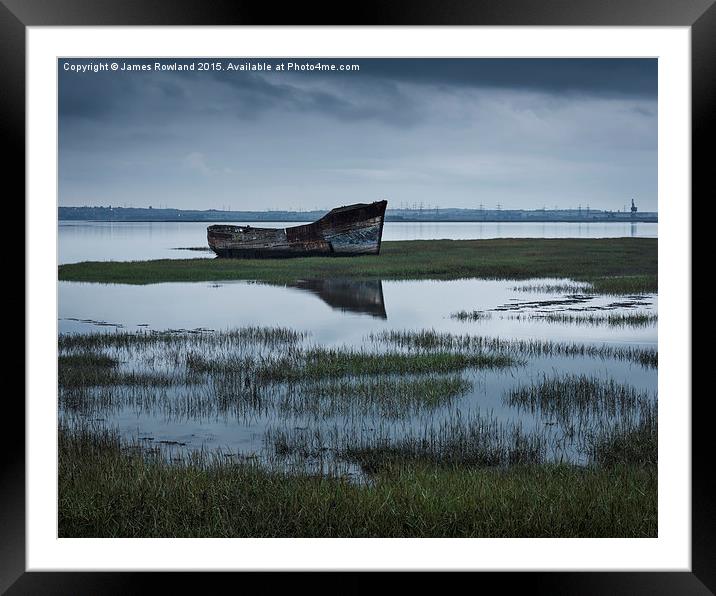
x,y
365,297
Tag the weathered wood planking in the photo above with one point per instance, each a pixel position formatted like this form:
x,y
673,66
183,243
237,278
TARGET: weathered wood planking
x,y
344,231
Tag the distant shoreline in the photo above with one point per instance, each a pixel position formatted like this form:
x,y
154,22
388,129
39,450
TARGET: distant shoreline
x,y
387,220
394,215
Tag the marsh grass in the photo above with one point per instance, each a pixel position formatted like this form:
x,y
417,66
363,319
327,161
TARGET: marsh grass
x,y
346,425
566,393
470,315
87,360
388,397
317,363
478,440
109,489
626,284
590,412
271,337
612,265
321,362
254,371
429,339
88,369
627,445
226,397
592,426
556,288
639,319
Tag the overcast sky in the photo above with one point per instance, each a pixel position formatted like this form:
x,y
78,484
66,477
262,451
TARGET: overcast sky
x,y
524,133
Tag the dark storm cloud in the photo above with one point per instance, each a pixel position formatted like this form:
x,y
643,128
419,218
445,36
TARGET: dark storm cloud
x,y
255,93
589,76
107,95
112,96
104,94
524,133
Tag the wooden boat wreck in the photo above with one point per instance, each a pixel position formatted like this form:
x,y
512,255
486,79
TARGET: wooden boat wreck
x,y
344,231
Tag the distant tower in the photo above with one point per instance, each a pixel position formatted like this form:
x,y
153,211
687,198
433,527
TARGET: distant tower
x,y
633,208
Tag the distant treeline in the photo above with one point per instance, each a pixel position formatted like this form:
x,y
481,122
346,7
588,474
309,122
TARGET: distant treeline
x,y
408,215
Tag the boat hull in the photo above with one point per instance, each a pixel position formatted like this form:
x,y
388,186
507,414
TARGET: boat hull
x,y
345,231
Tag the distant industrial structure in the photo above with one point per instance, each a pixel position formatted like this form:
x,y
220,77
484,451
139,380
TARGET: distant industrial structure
x,y
415,213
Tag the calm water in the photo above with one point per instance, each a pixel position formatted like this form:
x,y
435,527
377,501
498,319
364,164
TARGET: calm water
x,y
104,241
338,313
377,306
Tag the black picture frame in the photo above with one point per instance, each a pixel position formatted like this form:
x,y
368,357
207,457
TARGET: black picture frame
x,y
700,15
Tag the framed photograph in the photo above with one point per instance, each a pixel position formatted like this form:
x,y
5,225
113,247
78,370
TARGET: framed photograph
x,y
368,296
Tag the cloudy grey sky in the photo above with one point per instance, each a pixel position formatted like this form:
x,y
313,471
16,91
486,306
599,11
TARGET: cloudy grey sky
x,y
524,133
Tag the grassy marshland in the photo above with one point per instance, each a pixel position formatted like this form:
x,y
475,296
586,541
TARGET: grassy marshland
x,y
388,397
638,319
571,398
428,339
634,445
88,369
387,412
580,427
244,353
621,265
320,363
475,441
108,490
254,370
272,337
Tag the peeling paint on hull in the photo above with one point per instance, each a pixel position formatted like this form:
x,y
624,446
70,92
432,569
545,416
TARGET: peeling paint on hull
x,y
345,231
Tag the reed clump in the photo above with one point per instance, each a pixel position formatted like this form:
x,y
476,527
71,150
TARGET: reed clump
x,y
470,315
556,288
387,397
641,319
88,369
627,445
319,363
477,441
230,338
429,339
563,395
